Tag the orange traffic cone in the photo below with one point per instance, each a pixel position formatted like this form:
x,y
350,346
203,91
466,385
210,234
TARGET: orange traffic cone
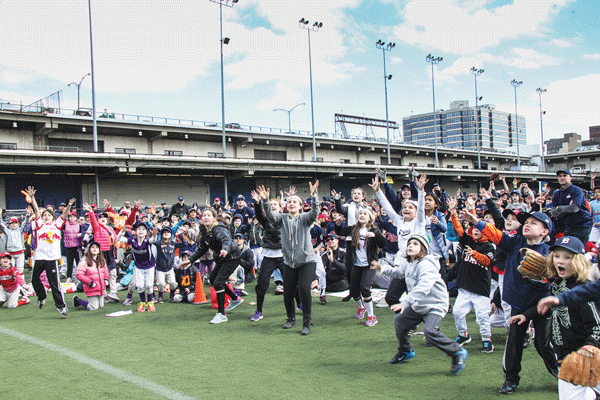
x,y
199,293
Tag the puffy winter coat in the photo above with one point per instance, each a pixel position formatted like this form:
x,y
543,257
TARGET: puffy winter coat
x,y
86,274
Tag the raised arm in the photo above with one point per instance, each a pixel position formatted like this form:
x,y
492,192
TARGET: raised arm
x,y
31,192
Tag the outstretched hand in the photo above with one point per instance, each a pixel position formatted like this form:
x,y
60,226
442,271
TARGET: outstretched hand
x,y
255,196
421,182
262,192
313,188
375,184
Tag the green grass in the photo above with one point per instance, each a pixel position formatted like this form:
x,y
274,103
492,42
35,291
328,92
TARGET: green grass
x,y
176,347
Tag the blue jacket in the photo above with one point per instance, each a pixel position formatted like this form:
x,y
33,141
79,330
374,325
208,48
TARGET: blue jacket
x,y
573,195
521,293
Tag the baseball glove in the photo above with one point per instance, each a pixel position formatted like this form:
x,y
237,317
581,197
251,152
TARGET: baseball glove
x,y
533,265
582,367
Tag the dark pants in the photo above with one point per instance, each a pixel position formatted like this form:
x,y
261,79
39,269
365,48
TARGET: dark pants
x,y
581,233
72,260
513,353
218,279
408,320
360,283
267,267
394,291
52,274
299,279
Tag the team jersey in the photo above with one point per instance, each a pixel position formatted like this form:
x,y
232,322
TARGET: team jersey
x,y
48,239
10,279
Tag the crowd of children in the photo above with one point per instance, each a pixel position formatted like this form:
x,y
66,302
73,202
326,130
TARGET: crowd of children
x,y
421,246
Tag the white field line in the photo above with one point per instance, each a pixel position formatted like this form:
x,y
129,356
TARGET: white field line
x,y
100,366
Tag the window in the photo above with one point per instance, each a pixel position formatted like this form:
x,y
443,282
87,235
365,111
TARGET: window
x,y
345,161
450,166
8,146
412,164
215,155
466,167
319,159
430,165
393,161
173,153
369,162
270,155
119,150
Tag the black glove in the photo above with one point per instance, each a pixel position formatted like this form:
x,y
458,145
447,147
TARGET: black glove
x,y
382,175
91,283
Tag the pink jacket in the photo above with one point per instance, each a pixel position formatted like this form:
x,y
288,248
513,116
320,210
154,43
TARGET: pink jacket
x,y
104,235
86,274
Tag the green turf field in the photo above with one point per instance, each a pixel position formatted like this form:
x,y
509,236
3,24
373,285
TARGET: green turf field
x,y
175,353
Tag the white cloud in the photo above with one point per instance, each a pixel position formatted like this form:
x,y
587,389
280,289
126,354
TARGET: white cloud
x,y
14,77
396,60
472,26
561,43
595,56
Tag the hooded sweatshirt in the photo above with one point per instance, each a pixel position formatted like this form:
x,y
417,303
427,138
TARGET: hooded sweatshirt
x,y
295,233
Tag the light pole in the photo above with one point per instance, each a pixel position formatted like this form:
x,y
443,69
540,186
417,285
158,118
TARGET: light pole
x,y
515,83
221,3
381,45
476,72
540,92
303,23
78,88
434,60
94,124
289,112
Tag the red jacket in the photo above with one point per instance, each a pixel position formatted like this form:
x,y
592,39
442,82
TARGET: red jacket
x,y
10,279
86,274
104,235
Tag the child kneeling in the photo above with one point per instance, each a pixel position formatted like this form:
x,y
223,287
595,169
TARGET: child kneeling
x,y
426,301
93,273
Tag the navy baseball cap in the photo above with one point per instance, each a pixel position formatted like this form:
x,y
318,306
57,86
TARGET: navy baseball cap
x,y
166,229
563,171
138,224
540,216
180,198
570,243
332,235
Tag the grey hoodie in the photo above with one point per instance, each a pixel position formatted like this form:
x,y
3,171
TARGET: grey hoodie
x,y
425,289
296,242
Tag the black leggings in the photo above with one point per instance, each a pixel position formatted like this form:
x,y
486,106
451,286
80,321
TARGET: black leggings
x,y
72,260
218,279
394,291
299,279
267,267
360,284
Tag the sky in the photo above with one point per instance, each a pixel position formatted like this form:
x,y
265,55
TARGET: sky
x,y
162,58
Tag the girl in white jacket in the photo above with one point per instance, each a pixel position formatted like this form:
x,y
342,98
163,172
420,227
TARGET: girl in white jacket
x,y
426,301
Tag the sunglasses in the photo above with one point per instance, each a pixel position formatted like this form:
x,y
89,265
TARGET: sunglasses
x,y
330,239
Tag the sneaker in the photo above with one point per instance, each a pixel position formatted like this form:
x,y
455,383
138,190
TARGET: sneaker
x,y
25,300
256,317
401,357
218,318
160,300
322,300
234,303
244,293
458,361
63,312
371,321
463,339
279,289
76,302
487,347
347,298
41,303
113,297
151,306
508,387
142,307
127,301
360,314
529,336
289,323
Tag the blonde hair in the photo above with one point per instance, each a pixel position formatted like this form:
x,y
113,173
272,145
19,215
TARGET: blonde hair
x,y
580,265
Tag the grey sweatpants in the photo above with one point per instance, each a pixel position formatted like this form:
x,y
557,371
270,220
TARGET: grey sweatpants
x,y
407,320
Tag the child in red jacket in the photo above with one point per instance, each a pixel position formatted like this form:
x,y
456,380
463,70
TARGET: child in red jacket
x,y
11,282
93,273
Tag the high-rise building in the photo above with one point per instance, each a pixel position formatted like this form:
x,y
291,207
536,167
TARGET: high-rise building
x,y
458,126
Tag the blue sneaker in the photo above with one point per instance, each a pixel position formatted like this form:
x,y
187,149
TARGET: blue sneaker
x,y
256,317
458,361
401,357
234,303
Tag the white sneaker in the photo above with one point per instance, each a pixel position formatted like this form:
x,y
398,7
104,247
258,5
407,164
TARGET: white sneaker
x,y
219,318
234,303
